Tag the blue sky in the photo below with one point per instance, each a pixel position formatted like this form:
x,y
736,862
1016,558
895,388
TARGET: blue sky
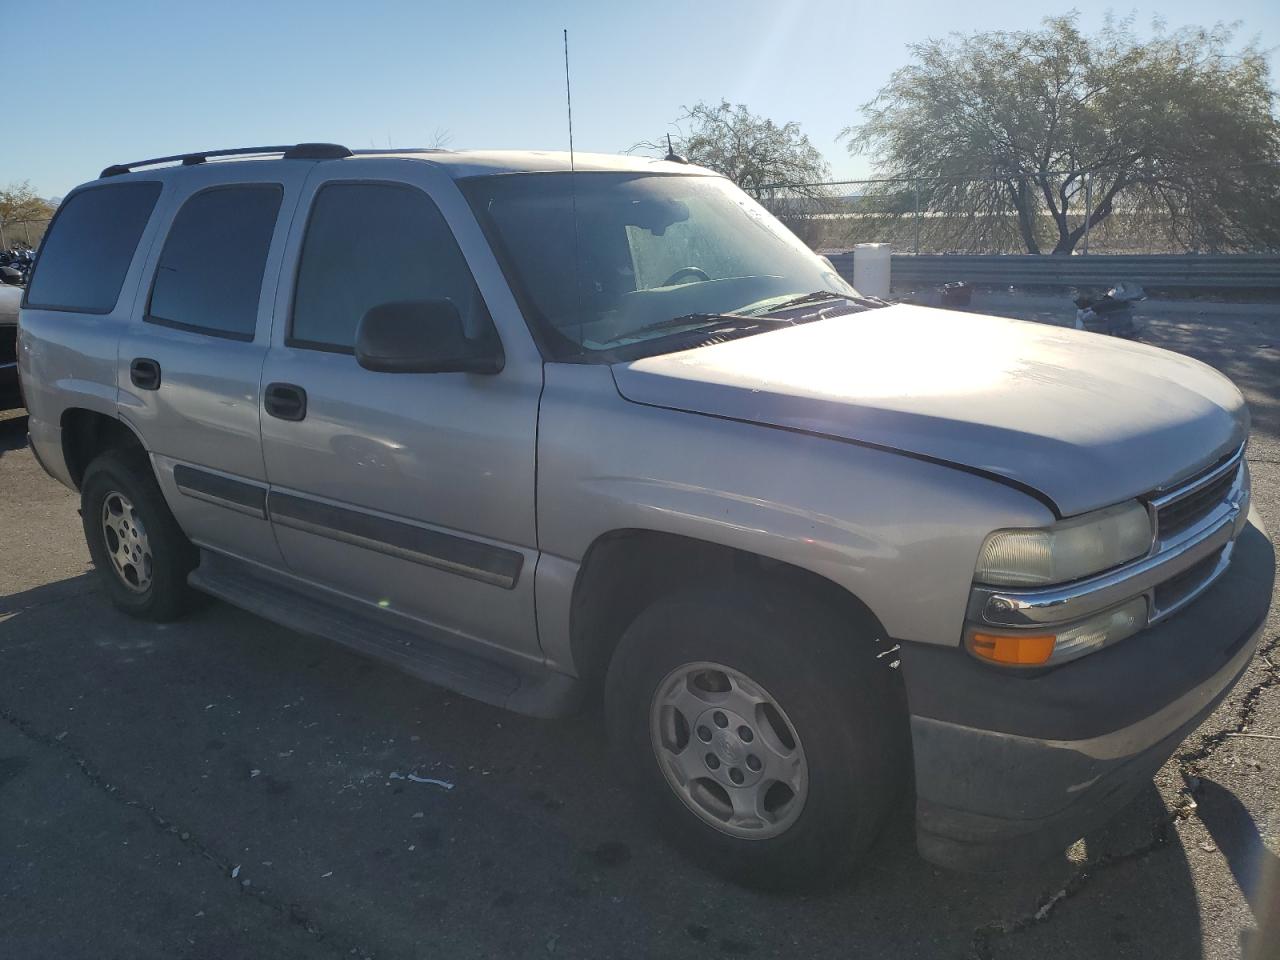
x,y
101,82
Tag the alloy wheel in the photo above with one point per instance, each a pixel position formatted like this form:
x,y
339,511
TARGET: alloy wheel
x,y
126,542
728,750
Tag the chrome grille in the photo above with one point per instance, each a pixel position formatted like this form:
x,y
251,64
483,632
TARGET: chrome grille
x,y
1194,507
1183,588
1184,508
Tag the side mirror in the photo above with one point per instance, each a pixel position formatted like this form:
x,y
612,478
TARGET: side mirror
x,y
422,336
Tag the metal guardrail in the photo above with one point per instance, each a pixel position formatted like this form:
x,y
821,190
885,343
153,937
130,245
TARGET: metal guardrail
x,y
1186,273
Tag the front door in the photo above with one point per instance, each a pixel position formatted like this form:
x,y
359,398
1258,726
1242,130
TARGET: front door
x,y
410,492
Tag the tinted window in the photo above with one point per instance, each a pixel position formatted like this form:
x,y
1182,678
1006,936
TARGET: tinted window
x,y
368,244
84,258
210,273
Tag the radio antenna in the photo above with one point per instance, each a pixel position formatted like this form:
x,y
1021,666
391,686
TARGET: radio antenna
x,y
568,97
573,201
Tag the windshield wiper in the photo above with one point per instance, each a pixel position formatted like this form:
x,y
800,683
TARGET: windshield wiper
x,y
820,295
704,329
688,320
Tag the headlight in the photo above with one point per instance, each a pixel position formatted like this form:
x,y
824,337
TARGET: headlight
x,y
1066,551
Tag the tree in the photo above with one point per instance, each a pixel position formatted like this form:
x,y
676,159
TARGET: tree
x,y
776,165
1016,123
19,202
764,159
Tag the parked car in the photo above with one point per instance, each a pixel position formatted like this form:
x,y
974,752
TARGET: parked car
x,y
10,396
539,428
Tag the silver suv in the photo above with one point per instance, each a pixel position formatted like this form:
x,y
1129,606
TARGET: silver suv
x,y
537,428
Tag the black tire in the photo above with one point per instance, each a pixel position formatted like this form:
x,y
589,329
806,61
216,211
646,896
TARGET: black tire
x,y
846,707
172,555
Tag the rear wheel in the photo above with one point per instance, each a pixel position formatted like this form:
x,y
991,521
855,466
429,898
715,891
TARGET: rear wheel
x,y
762,728
140,552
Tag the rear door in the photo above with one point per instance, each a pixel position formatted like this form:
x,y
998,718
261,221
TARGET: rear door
x,y
411,492
190,360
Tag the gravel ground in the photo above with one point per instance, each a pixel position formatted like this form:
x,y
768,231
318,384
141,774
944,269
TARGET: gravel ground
x,y
224,788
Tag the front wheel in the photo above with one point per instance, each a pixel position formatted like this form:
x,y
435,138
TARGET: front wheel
x,y
762,727
140,552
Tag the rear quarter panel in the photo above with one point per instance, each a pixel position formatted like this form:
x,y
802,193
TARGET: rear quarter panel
x,y
68,359
65,360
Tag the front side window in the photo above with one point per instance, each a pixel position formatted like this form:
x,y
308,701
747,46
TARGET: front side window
x,y
373,243
209,279
608,264
84,258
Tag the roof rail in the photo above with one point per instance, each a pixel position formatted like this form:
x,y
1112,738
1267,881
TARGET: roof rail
x,y
377,151
297,151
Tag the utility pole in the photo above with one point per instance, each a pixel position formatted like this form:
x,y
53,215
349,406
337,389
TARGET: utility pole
x,y
917,191
1088,212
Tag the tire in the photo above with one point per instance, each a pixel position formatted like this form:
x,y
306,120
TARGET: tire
x,y
843,707
162,555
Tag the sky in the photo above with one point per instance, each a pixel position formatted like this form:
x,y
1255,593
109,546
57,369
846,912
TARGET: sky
x,y
92,83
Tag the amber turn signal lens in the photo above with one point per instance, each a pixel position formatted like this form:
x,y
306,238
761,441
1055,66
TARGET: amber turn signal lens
x,y
1016,650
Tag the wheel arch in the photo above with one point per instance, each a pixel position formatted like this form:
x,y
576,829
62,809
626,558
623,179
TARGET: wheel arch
x,y
625,570
88,433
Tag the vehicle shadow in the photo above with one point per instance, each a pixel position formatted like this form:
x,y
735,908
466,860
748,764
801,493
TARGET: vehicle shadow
x,y
1255,868
259,747
13,433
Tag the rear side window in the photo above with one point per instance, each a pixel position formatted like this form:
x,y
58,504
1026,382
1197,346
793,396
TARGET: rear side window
x,y
209,277
84,258
372,243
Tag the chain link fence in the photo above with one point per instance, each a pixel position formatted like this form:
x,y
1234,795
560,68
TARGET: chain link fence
x,y
978,216
27,233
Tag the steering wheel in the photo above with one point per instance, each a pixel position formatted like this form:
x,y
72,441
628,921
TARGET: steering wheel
x,y
696,273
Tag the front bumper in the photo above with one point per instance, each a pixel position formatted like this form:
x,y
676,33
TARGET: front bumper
x,y
1012,767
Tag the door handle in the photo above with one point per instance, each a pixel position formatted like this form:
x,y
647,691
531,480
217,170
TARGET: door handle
x,y
285,401
145,374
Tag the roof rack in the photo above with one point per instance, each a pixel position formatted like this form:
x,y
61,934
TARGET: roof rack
x,y
297,151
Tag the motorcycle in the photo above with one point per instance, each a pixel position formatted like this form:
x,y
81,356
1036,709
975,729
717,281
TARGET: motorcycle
x,y
15,266
1111,313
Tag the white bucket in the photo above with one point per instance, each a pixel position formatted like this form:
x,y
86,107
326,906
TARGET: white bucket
x,y
871,268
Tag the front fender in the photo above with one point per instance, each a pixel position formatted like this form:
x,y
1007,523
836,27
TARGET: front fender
x,y
899,533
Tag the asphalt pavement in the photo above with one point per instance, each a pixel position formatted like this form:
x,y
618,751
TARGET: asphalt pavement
x,y
221,787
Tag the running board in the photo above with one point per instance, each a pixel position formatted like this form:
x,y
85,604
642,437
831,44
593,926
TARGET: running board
x,y
531,690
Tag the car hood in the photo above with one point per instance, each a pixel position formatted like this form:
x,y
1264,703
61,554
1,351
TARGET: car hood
x,y
1085,420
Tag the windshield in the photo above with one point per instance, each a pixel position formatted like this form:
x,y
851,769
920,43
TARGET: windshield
x,y
650,248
